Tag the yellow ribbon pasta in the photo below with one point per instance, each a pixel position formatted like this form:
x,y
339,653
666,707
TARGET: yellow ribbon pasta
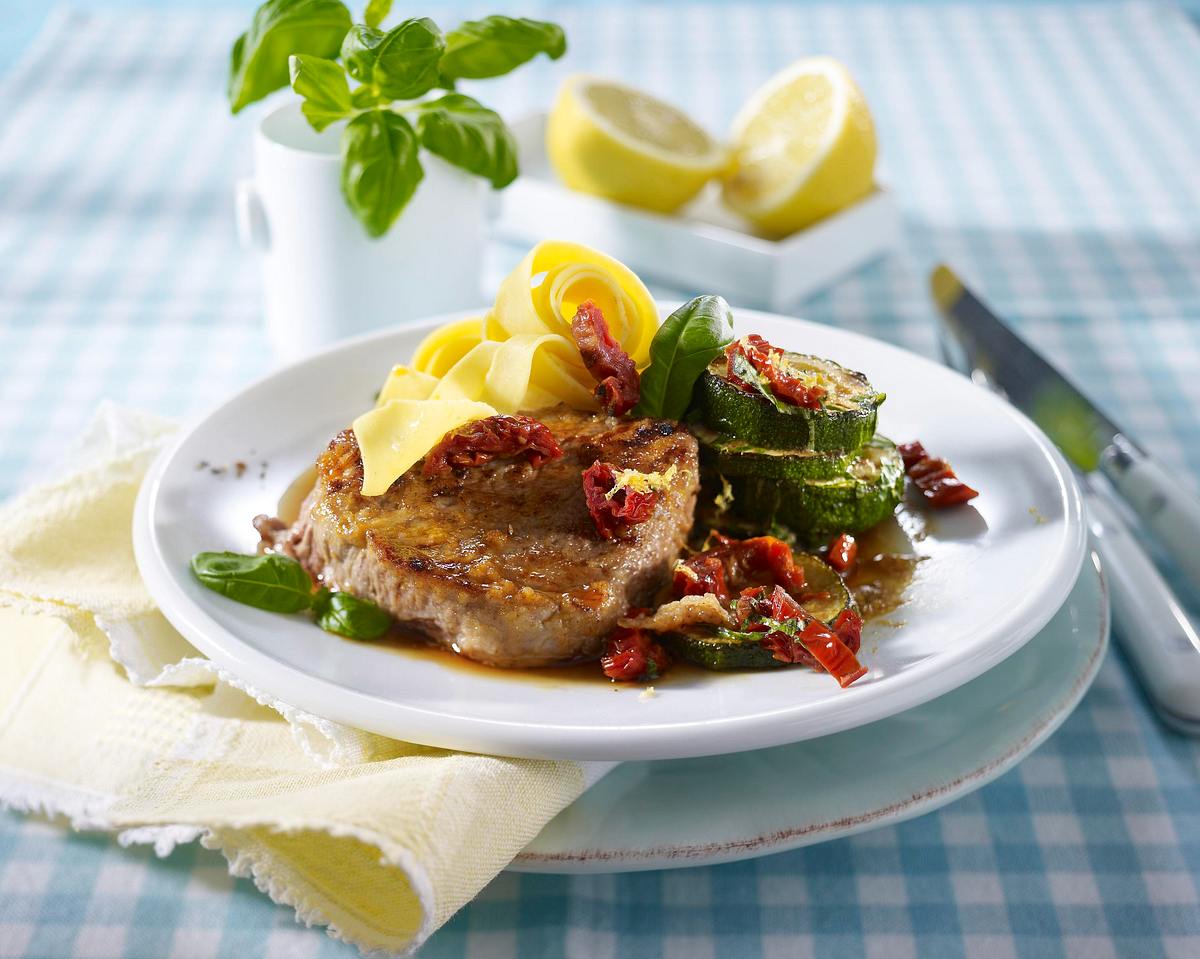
x,y
405,383
394,436
542,294
520,356
446,345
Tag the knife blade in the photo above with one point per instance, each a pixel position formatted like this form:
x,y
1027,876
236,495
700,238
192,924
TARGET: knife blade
x,y
1151,623
1085,434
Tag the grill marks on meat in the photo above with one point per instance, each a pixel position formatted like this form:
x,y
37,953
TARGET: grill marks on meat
x,y
501,563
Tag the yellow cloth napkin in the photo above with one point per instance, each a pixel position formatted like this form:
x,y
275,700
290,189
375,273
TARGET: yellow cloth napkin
x,y
109,717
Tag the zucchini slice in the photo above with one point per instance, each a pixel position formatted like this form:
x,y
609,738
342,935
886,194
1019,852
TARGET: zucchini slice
x,y
729,456
845,421
865,494
725,649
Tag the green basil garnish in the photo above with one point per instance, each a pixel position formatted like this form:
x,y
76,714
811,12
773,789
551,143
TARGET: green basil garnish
x,y
300,41
258,63
376,12
323,85
493,46
464,132
380,167
350,616
279,584
275,583
689,339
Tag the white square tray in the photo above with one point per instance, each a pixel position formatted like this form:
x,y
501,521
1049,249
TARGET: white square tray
x,y
702,249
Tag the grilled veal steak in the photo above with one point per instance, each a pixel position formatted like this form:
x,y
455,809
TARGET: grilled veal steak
x,y
502,563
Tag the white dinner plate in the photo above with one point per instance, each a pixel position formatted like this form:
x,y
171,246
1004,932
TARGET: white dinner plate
x,y
699,812
996,571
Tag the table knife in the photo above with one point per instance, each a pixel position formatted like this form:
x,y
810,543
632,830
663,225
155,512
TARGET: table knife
x,y
1150,621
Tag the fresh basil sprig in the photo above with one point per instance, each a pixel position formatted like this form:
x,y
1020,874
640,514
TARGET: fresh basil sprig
x,y
258,63
689,339
301,40
279,584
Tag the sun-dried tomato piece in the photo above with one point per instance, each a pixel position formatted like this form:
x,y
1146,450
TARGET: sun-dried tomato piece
x,y
614,508
843,552
761,560
934,477
619,386
481,441
767,361
848,626
703,573
632,656
911,453
809,641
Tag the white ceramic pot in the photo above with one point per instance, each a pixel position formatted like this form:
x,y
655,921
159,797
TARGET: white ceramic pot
x,y
323,277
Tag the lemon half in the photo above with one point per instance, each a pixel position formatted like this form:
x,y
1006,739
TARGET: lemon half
x,y
803,147
616,142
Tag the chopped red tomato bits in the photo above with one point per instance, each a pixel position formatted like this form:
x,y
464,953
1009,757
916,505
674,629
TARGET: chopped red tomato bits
x,y
496,436
632,656
843,552
611,510
934,477
793,636
736,564
619,386
701,574
767,362
751,560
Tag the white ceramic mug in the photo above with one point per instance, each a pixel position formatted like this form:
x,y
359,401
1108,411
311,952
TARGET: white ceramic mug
x,y
323,277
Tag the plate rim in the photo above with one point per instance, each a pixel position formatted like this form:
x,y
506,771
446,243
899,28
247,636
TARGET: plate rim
x,y
937,795
564,741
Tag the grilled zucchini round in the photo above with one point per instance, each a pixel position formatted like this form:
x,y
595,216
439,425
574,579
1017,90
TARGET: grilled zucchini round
x,y
845,421
865,494
729,456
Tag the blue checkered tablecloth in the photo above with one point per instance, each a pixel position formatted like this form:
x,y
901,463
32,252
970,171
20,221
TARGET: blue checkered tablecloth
x,y
1052,154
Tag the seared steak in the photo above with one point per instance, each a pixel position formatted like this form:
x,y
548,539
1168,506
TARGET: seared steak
x,y
501,563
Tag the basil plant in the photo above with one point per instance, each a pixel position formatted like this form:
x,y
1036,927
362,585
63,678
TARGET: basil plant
x,y
395,88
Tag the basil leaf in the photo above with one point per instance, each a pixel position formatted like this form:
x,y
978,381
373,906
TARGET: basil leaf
x,y
359,50
380,167
495,45
464,132
275,583
377,11
258,63
401,64
689,339
350,616
323,85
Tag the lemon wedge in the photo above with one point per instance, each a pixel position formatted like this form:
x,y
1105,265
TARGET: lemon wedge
x,y
803,147
616,142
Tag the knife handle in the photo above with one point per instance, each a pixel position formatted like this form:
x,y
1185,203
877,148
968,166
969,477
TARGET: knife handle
x,y
1148,619
1168,510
